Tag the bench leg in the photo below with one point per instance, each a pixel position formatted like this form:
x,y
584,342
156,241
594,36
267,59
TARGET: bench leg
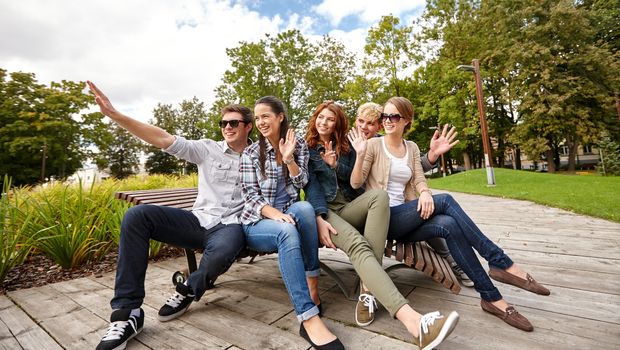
x,y
349,293
191,260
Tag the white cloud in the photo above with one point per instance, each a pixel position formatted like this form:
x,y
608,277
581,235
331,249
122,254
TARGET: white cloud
x,y
369,11
142,52
139,52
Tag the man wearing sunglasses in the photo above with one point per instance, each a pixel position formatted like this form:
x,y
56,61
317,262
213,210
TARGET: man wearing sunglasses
x,y
212,225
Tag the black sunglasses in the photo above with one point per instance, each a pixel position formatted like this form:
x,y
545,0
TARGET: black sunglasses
x,y
394,118
233,123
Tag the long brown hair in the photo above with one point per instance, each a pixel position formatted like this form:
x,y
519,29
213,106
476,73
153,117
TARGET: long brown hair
x,y
404,107
278,108
339,136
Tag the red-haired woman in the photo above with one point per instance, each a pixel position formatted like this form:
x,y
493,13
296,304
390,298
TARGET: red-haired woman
x,y
343,212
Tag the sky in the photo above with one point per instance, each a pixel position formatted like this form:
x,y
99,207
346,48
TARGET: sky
x,y
144,52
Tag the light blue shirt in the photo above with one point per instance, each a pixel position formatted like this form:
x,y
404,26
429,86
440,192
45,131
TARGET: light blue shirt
x,y
219,197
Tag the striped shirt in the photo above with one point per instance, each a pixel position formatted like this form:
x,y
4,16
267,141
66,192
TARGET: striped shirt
x,y
259,191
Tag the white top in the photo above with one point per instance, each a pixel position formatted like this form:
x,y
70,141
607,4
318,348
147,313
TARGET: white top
x,y
399,177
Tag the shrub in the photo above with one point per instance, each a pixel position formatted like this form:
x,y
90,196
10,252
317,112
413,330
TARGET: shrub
x,y
71,223
14,247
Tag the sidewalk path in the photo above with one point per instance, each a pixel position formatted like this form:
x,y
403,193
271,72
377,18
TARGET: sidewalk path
x,y
578,257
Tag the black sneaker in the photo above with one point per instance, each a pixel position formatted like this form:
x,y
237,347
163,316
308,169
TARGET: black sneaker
x,y
461,275
177,304
123,326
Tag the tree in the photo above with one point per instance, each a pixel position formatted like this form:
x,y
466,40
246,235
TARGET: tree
x,y
288,66
390,52
122,153
34,117
158,161
565,76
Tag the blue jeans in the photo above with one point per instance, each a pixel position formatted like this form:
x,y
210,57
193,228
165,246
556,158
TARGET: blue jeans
x,y
177,227
450,222
298,253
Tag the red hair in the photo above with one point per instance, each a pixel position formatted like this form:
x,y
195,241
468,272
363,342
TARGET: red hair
x,y
339,136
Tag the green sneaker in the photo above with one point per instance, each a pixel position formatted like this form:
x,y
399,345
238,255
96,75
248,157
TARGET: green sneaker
x,y
435,328
365,309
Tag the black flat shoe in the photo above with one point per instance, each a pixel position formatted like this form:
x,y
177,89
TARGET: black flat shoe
x,y
332,345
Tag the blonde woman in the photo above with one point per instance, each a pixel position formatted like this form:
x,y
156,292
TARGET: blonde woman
x,y
393,164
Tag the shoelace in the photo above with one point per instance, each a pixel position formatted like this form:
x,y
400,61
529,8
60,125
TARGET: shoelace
x,y
117,329
428,320
369,301
176,299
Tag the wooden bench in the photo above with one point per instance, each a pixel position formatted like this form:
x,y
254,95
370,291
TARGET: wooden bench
x,y
419,255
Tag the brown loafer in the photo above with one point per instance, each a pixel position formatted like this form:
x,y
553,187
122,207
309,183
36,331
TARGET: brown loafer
x,y
510,316
528,284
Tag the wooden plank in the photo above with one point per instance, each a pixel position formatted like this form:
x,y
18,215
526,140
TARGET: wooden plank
x,y
570,248
25,331
351,336
388,248
428,266
68,323
400,251
437,274
419,257
253,334
409,256
552,330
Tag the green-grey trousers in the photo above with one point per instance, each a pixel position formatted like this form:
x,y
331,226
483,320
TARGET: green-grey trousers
x,y
370,214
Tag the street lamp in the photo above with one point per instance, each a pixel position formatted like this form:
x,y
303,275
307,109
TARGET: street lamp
x,y
475,68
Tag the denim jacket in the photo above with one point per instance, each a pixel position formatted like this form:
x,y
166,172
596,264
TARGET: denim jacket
x,y
323,181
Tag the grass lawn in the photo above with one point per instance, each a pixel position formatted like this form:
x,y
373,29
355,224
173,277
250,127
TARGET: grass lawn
x,y
585,194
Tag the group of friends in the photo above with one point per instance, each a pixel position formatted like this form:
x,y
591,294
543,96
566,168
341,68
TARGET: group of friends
x,y
360,187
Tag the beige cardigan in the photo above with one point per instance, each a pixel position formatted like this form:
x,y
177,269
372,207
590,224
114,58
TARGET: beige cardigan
x,y
376,168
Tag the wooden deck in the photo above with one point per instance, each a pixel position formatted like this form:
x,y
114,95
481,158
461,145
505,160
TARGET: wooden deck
x,y
577,257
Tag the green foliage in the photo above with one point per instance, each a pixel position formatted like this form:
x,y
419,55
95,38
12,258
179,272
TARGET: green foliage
x,y
34,117
390,51
589,195
14,246
610,164
191,121
288,66
71,223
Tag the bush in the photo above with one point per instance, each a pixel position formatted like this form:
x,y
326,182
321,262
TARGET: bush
x,y
71,223
610,159
14,247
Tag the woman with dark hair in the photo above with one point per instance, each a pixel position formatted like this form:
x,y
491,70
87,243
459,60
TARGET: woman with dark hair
x,y
273,170
343,212
393,164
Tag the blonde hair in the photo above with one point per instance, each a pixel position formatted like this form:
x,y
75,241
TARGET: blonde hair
x,y
370,110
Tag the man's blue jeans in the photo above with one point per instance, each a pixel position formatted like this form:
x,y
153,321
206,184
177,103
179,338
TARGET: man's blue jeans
x,y
452,223
298,253
179,228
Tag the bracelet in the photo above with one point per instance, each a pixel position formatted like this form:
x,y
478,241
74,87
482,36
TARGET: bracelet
x,y
427,190
287,162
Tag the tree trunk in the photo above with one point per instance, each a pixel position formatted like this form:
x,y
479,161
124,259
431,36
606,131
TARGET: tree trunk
x,y
466,161
517,160
572,151
550,161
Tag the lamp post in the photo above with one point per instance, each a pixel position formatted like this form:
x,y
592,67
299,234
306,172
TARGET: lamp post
x,y
486,144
